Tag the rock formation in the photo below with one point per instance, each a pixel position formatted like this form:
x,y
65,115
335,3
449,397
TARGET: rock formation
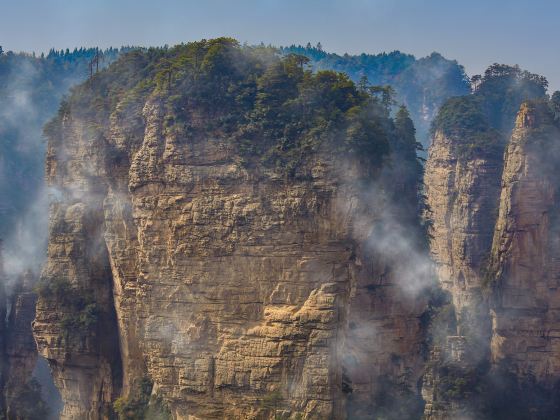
x,y
20,391
526,251
220,290
236,237
227,288
20,350
462,194
495,241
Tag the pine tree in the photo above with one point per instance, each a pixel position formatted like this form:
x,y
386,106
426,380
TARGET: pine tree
x,y
363,84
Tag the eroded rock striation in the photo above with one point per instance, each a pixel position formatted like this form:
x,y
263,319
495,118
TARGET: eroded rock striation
x,y
494,240
462,194
219,287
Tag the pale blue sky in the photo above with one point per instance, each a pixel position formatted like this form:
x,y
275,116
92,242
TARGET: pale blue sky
x,y
476,32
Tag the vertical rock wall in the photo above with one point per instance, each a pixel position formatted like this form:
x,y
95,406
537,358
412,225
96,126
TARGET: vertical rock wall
x,y
237,294
526,251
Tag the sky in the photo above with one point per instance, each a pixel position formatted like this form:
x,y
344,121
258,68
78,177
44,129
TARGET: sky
x,y
476,33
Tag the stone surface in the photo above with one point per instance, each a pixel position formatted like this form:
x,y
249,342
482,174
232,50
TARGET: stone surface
x,y
526,253
229,286
462,195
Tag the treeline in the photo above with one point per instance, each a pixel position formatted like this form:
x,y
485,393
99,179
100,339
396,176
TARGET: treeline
x,y
422,85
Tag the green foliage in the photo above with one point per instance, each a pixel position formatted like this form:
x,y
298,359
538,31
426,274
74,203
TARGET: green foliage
x,y
555,105
136,405
86,317
297,112
141,404
30,92
57,287
496,392
407,167
82,313
478,123
457,383
503,89
421,84
271,402
439,319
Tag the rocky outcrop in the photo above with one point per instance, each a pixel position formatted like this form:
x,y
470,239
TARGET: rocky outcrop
x,y
462,196
237,293
446,380
75,321
21,351
525,251
500,271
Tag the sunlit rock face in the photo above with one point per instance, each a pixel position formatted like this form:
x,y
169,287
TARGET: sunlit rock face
x,y
526,251
237,293
462,195
495,242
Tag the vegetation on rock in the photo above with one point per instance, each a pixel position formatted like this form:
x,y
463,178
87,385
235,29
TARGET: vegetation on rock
x,y
274,109
423,85
30,92
81,312
27,403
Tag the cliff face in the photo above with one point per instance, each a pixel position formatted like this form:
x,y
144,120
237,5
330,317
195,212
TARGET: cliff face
x,y
525,251
462,195
75,319
495,242
21,352
231,292
228,288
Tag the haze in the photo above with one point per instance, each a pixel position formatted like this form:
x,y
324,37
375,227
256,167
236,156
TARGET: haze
x,y
476,33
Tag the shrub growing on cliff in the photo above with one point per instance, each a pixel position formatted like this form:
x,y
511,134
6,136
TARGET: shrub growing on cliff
x,y
271,402
53,288
84,318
